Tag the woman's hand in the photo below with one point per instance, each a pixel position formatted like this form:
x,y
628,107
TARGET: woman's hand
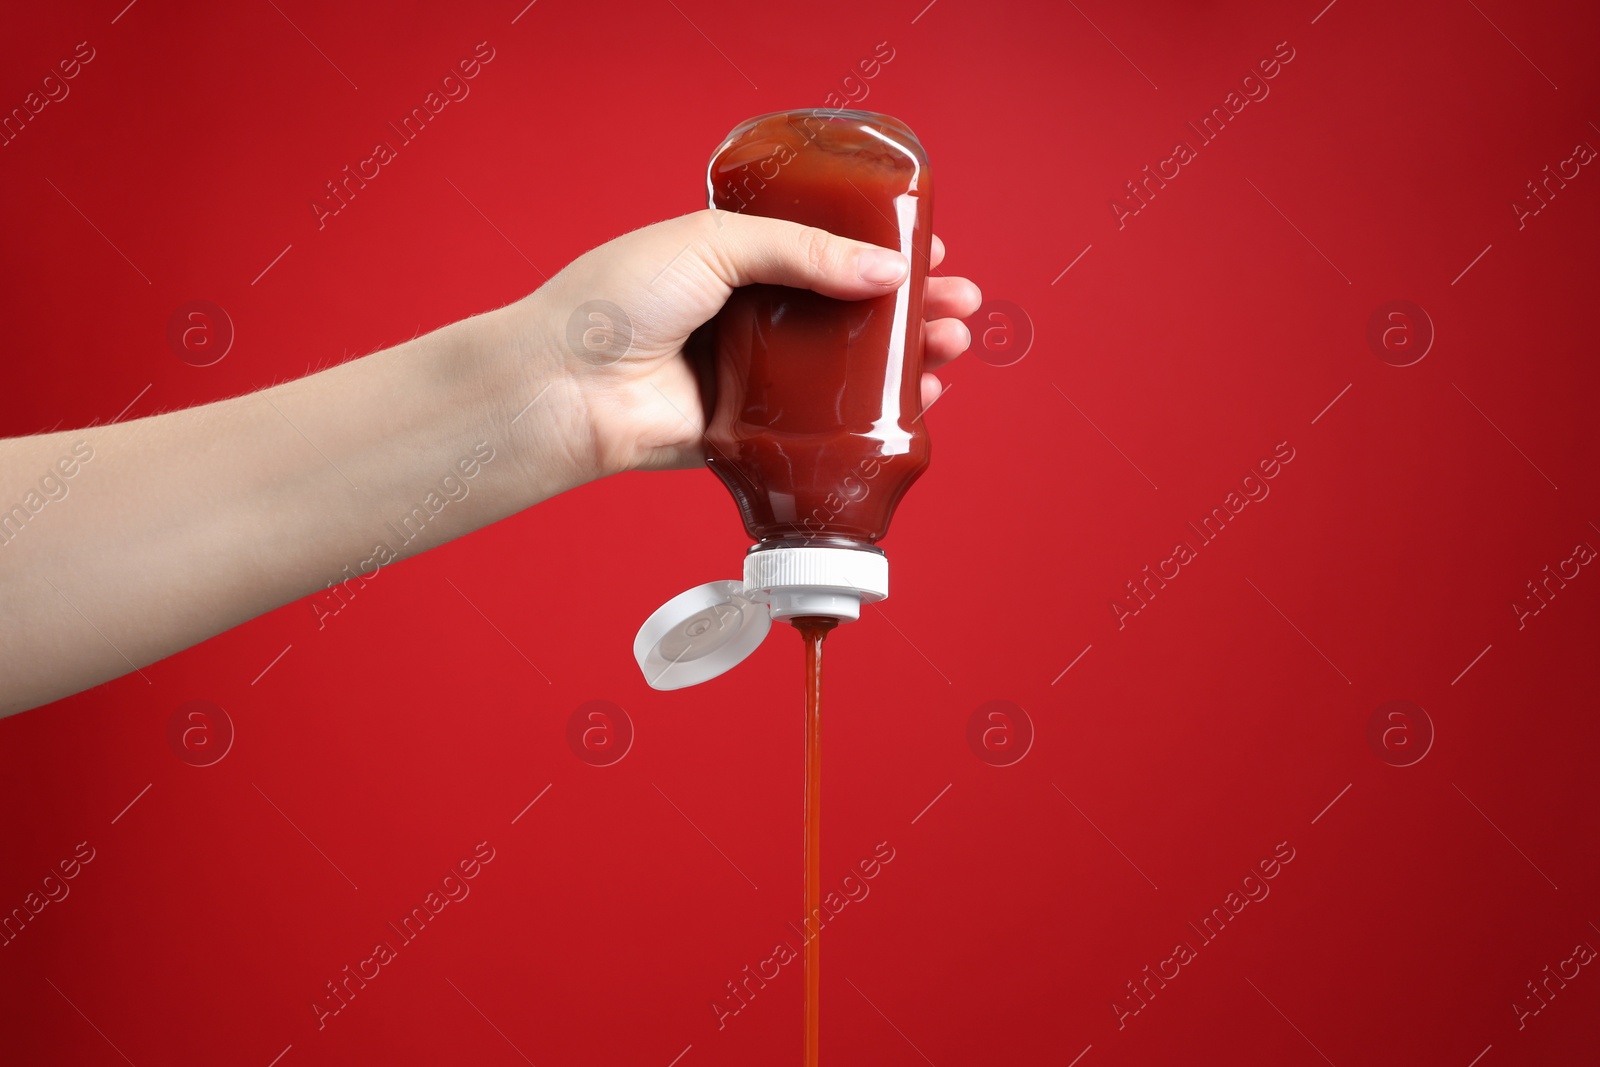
x,y
320,482
616,320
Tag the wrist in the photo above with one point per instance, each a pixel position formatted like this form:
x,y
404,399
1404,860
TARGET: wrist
x,y
531,399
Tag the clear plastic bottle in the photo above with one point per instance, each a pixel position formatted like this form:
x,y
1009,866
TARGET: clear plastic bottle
x,y
816,421
817,426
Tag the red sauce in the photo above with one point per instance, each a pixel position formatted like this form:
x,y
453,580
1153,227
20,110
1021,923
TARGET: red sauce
x,y
813,630
816,427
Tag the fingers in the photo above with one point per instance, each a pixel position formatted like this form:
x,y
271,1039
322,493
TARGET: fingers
x,y
952,298
944,340
748,249
931,388
948,301
935,253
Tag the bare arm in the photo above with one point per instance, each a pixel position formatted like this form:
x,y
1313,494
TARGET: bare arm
x,y
130,542
173,528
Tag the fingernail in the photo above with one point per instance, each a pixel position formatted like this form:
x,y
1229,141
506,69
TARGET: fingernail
x,y
882,267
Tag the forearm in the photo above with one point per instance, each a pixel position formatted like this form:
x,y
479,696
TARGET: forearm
x,y
173,528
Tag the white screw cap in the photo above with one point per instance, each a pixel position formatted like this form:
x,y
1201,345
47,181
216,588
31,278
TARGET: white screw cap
x,y
816,580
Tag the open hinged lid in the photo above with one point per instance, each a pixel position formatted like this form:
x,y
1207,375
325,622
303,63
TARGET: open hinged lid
x,y
700,634
711,628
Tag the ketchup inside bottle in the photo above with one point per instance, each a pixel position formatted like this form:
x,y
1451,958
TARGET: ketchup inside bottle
x,y
816,427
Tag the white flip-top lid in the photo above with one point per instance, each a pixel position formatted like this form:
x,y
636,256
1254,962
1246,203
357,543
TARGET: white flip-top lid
x,y
699,634
711,628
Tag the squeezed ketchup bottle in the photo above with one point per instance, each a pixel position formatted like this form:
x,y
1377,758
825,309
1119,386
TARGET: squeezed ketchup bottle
x,y
816,429
816,426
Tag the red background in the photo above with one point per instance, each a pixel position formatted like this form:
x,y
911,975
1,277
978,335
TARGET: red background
x,y
1176,753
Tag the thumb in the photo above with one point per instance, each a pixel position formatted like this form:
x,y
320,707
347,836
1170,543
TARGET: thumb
x,y
750,249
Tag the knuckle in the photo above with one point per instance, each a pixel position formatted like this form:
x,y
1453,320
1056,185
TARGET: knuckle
x,y
708,236
708,222
817,248
703,230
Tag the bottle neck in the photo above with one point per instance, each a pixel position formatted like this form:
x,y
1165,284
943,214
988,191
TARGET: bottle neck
x,y
817,541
